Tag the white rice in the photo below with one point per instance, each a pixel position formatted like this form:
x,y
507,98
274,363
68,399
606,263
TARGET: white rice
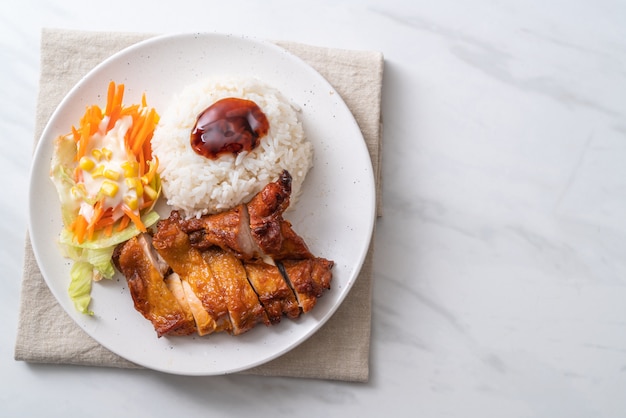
x,y
196,185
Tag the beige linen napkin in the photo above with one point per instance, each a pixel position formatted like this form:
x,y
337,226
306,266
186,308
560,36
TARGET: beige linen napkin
x,y
338,351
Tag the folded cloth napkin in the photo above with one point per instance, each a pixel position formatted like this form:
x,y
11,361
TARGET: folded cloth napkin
x,y
338,351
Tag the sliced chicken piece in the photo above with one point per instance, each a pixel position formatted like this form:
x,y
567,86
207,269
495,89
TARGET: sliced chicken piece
x,y
175,286
244,307
275,295
252,231
229,230
292,246
233,270
137,261
189,301
162,266
308,279
175,248
204,322
265,210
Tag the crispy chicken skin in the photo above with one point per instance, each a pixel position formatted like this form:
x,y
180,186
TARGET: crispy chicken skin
x,y
275,295
229,230
189,301
175,286
252,230
174,246
224,272
308,278
265,210
150,294
243,304
292,246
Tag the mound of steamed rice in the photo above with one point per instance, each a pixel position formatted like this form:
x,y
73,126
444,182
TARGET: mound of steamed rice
x,y
196,185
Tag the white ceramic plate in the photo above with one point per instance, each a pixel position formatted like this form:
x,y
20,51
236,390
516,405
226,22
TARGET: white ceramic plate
x,y
335,214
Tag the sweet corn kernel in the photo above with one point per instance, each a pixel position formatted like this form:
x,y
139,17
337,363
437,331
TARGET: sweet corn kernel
x,y
107,153
98,171
139,188
109,188
130,169
111,174
131,201
86,163
134,183
97,154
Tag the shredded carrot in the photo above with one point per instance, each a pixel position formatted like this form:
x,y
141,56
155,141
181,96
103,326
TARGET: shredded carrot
x,y
114,117
79,227
135,218
98,211
124,221
132,110
146,204
115,96
119,95
105,220
144,132
142,163
75,134
93,116
137,142
138,122
147,149
110,97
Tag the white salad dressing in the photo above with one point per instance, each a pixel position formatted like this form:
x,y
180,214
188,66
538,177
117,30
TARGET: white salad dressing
x,y
107,151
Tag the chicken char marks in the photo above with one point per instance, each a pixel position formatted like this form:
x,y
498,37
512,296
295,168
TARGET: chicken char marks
x,y
224,272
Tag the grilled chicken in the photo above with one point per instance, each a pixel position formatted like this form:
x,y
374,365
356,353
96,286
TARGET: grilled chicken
x,y
151,296
292,245
253,230
229,230
274,294
225,272
174,246
175,286
308,278
266,210
244,307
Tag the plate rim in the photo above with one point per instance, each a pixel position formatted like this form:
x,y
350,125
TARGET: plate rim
x,y
47,133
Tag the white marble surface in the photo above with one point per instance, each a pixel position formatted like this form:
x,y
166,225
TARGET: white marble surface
x,y
500,272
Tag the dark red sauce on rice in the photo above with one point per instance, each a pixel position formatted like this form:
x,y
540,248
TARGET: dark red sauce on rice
x,y
228,126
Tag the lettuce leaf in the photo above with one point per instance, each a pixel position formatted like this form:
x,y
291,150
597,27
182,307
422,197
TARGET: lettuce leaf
x,y
61,174
92,258
81,275
100,259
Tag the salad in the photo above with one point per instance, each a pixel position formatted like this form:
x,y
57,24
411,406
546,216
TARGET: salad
x,y
107,182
